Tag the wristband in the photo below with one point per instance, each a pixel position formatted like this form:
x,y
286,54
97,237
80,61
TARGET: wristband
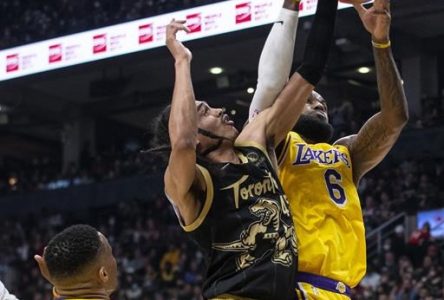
x,y
381,45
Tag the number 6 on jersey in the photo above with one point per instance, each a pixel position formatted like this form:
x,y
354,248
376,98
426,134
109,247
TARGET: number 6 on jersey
x,y
333,180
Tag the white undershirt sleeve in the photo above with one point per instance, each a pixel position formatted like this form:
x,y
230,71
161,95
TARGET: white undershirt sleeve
x,y
275,61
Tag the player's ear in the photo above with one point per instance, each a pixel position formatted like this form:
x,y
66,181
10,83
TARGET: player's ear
x,y
103,275
43,267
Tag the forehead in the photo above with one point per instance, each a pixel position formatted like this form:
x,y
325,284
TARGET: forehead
x,y
314,96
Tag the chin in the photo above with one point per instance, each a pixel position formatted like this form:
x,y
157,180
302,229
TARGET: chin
x,y
314,127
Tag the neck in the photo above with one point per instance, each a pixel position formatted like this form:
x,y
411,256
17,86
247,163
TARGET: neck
x,y
224,154
80,291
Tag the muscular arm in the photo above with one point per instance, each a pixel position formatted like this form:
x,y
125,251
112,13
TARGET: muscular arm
x,y
283,114
279,118
272,125
181,176
380,132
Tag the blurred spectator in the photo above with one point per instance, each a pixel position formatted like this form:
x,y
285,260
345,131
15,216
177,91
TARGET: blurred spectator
x,y
421,236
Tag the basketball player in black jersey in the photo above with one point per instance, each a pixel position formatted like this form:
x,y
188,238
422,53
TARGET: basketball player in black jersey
x,y
79,263
223,184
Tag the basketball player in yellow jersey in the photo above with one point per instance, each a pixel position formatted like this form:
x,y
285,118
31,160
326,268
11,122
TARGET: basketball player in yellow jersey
x,y
320,179
79,263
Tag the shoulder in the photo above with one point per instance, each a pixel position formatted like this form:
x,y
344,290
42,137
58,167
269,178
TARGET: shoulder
x,y
254,133
346,141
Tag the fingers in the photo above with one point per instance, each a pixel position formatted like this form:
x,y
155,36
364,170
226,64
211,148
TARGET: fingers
x,y
176,26
382,5
360,9
384,13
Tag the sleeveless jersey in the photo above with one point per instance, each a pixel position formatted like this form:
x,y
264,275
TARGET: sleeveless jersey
x,y
325,207
245,230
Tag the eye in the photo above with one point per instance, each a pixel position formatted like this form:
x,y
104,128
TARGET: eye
x,y
203,110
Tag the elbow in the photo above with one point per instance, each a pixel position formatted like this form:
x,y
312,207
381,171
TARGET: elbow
x,y
403,118
398,123
395,122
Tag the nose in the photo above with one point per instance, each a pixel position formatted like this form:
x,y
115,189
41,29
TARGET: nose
x,y
319,106
220,111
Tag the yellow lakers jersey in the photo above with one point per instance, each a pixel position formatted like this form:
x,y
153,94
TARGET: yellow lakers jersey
x,y
325,207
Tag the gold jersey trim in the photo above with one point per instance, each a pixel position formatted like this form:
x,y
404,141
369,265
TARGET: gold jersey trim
x,y
57,296
242,157
208,201
254,145
284,150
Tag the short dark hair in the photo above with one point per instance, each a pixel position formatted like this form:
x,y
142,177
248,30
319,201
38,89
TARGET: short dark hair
x,y
70,251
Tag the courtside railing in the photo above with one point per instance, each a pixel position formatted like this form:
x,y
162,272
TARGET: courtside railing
x,y
376,237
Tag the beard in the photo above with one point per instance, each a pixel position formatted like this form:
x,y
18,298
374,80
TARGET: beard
x,y
314,129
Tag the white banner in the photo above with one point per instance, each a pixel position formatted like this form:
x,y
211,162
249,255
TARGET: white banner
x,y
203,21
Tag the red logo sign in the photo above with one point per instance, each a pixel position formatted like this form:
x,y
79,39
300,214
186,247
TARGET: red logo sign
x,y
55,53
99,43
12,63
194,22
146,33
243,12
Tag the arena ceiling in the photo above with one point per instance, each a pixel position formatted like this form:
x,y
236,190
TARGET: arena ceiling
x,y
130,89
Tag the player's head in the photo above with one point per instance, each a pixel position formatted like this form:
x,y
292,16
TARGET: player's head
x,y
214,128
313,122
215,122
81,258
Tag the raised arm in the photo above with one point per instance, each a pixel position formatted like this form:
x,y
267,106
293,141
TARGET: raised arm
x,y
276,58
181,176
283,114
380,132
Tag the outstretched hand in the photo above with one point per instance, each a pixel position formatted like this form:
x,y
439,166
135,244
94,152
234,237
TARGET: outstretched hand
x,y
376,19
177,49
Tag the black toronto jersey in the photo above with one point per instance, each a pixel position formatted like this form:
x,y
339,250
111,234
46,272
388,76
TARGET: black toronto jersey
x,y
245,230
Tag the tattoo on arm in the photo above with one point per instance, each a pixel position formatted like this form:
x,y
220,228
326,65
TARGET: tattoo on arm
x,y
392,98
371,137
369,147
379,133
